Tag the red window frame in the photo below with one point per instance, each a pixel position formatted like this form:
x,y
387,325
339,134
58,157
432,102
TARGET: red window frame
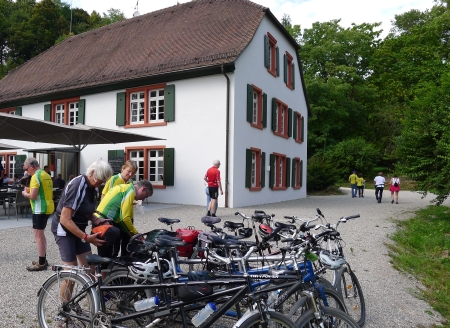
x,y
146,91
259,122
8,111
273,55
297,173
257,186
299,127
6,166
289,70
279,159
282,108
146,149
66,103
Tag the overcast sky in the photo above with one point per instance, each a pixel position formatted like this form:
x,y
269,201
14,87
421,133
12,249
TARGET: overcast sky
x,y
302,12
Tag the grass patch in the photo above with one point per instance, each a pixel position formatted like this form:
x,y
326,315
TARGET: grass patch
x,y
422,249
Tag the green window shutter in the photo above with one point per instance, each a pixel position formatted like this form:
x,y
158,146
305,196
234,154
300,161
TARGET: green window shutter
x,y
263,170
278,61
303,129
294,125
248,168
169,103
285,67
48,112
301,173
266,52
169,166
264,110
121,106
249,103
81,110
290,122
294,170
116,159
274,114
272,170
288,172
293,76
19,111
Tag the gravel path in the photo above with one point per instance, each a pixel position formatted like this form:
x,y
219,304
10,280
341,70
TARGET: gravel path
x,y
389,295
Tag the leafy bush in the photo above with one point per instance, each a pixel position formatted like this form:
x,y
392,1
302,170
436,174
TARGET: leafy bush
x,y
321,174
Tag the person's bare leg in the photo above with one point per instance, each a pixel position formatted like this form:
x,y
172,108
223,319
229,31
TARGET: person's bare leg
x,y
396,196
213,205
41,242
66,291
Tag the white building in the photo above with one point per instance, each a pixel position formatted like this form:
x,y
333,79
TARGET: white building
x,y
215,79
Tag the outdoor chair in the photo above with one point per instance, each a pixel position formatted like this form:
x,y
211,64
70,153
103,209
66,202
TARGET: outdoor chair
x,y
20,202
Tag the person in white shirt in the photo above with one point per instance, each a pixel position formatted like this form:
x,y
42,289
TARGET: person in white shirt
x,y
395,188
379,186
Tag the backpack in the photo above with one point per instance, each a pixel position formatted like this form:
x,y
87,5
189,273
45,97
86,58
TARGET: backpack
x,y
396,183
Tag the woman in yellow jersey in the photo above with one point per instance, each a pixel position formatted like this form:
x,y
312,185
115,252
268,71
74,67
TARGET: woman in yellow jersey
x,y
128,170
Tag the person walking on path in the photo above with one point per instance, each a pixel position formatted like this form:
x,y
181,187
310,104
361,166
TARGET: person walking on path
x,y
395,188
212,177
40,194
379,186
352,179
360,183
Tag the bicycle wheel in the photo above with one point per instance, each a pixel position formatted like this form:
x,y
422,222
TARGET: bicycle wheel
x,y
120,302
330,318
56,291
332,297
350,290
277,320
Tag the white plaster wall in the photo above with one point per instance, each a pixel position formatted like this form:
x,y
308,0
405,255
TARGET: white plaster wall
x,y
250,69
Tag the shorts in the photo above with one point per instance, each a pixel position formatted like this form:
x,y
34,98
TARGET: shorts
x,y
40,221
213,192
70,245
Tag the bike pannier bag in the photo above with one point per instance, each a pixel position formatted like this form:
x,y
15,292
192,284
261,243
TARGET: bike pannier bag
x,y
189,293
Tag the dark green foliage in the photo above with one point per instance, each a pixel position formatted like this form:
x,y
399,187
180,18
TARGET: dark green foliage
x,y
321,173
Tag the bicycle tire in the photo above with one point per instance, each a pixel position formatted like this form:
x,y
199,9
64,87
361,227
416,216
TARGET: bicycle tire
x,y
120,302
333,298
331,318
50,305
348,287
277,320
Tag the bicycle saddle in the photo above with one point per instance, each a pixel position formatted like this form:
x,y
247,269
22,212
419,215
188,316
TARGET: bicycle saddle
x,y
232,237
167,242
285,225
168,221
223,242
233,225
210,220
96,259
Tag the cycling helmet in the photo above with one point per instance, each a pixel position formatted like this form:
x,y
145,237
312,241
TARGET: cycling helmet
x,y
264,230
246,232
149,271
330,261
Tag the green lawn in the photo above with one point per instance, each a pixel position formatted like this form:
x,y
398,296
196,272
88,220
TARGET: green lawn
x,y
421,248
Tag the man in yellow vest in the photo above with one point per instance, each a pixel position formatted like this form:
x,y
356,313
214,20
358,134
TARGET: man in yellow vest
x,y
352,179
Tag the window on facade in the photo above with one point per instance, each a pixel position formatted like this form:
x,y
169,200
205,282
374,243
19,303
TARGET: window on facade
x,y
11,111
289,71
298,127
65,111
256,107
254,173
278,171
271,55
281,119
146,105
296,173
9,163
154,164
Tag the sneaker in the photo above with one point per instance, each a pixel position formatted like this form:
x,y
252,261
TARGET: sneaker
x,y
213,215
208,213
392,202
38,267
37,262
396,202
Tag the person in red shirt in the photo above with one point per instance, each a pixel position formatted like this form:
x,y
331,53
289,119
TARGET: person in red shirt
x,y
212,177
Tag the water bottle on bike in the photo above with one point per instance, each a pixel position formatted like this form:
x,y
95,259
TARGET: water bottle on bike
x,y
202,315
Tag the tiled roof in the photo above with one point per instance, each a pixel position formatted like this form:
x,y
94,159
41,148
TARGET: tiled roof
x,y
187,36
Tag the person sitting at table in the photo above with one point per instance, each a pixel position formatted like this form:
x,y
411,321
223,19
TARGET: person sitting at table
x,y
59,182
